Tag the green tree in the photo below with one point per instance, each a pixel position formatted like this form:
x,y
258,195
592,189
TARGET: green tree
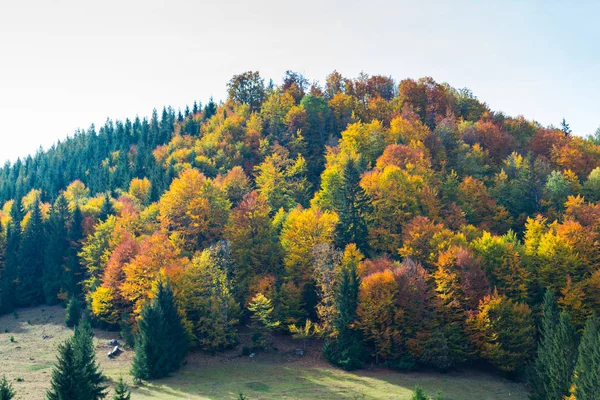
x,y
162,341
66,376
556,355
57,249
346,350
587,384
11,263
73,312
7,392
353,210
122,390
74,268
247,88
91,385
419,394
31,260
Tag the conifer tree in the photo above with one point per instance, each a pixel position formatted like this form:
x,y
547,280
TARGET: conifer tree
x,y
75,237
557,353
354,207
7,392
346,350
107,208
161,341
73,312
92,381
10,270
57,248
586,381
122,391
31,260
66,376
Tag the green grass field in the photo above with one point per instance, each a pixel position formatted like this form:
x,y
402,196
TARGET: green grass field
x,y
27,363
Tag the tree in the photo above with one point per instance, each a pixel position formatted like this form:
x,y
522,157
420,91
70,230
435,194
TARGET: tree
x,y
354,209
419,394
7,391
161,341
91,384
502,331
587,385
345,350
31,260
73,313
66,376
56,252
107,208
122,390
565,127
305,332
247,88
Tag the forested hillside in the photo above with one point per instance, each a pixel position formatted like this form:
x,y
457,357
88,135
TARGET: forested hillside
x,y
405,223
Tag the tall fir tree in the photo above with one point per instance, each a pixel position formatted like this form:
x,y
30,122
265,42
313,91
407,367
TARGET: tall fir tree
x,y
557,354
29,291
586,379
162,340
353,209
9,272
66,376
75,238
346,350
106,209
92,381
57,249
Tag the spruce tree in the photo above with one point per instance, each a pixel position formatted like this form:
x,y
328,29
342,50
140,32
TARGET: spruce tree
x,y
73,312
106,209
346,350
161,341
31,260
66,376
10,270
6,390
92,382
353,209
57,248
122,391
557,353
75,237
587,381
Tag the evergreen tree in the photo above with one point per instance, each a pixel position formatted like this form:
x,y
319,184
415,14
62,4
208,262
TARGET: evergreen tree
x,y
73,312
162,341
107,208
6,390
31,260
587,383
565,127
75,237
57,248
66,376
354,208
122,391
92,383
346,350
556,355
10,270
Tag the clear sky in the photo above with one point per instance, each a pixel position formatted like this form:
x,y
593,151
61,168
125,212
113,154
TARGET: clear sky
x,y
66,64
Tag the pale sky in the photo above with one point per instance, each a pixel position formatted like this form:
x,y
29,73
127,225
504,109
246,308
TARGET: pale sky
x,y
66,64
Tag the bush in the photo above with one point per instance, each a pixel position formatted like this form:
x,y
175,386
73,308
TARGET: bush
x,y
246,351
419,394
12,338
127,331
348,358
404,363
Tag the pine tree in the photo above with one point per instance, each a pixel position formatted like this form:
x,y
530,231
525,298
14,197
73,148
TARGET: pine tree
x,y
122,391
161,341
587,384
419,394
10,270
556,356
57,248
107,208
66,376
346,349
73,312
75,237
92,383
355,206
31,260
565,127
6,390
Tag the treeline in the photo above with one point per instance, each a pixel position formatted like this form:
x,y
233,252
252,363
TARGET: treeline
x,y
404,223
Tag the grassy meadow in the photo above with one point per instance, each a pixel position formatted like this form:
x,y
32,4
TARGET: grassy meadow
x,y
27,362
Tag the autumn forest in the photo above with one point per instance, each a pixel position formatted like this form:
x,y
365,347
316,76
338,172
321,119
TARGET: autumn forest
x,y
402,223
